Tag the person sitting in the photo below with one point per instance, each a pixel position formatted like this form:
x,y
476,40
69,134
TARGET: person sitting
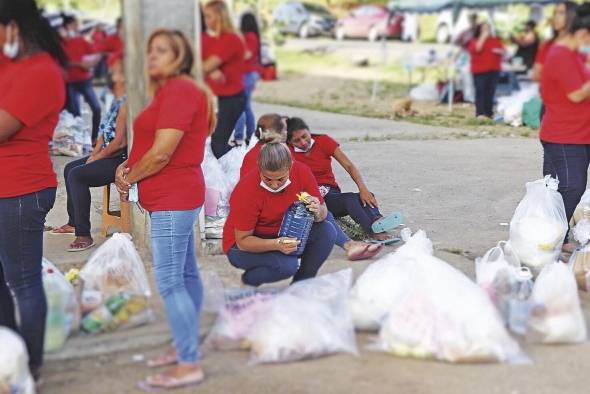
x,y
271,128
257,207
98,169
317,152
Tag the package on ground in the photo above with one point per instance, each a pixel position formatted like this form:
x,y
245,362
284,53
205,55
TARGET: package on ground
x,y
116,289
231,163
426,91
63,310
217,186
15,377
442,314
510,108
557,315
71,136
539,225
579,263
579,212
309,319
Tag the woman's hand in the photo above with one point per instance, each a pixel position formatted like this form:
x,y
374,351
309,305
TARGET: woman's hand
x,y
313,205
217,76
121,182
287,245
367,198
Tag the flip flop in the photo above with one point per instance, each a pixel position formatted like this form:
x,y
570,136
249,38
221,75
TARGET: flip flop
x,y
61,231
388,223
170,382
370,251
86,246
385,242
162,360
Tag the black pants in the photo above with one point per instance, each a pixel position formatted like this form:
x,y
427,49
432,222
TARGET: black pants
x,y
22,221
342,204
229,111
79,178
569,164
485,92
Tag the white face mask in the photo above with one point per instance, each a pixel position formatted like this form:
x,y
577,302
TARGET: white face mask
x,y
584,50
280,189
299,150
10,50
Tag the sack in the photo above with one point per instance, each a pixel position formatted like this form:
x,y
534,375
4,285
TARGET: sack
x,y
531,112
309,319
231,163
15,377
557,316
63,311
539,225
442,314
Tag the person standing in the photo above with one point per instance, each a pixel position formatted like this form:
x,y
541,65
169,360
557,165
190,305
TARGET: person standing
x,y
565,128
32,95
247,123
223,53
165,165
486,53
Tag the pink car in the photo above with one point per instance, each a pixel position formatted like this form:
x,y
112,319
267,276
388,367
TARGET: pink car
x,y
371,22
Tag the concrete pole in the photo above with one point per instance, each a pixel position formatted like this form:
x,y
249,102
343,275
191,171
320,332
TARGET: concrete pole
x,y
140,19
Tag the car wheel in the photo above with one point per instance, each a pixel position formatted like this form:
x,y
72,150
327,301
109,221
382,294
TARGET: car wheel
x,y
373,34
340,33
443,34
304,31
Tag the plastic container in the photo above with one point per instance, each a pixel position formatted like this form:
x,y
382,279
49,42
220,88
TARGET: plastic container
x,y
297,224
520,304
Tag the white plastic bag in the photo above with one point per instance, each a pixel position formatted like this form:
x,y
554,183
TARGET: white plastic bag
x,y
442,314
15,377
426,91
539,225
63,311
231,163
557,316
578,213
495,260
217,186
309,319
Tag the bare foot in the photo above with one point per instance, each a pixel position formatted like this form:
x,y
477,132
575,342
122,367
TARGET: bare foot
x,y
361,250
81,243
178,376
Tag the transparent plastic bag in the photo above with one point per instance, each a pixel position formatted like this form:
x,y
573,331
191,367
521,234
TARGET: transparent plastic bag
x,y
217,186
539,225
496,259
309,319
15,377
579,212
556,316
442,314
579,264
231,163
63,311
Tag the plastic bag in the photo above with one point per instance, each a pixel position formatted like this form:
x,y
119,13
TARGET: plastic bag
x,y
556,316
441,314
426,91
15,377
539,225
71,136
217,186
309,319
231,163
579,212
63,311
579,263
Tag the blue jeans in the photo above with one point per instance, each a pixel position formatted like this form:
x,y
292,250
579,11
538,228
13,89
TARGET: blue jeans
x,y
177,277
341,237
22,221
247,120
84,88
342,204
269,267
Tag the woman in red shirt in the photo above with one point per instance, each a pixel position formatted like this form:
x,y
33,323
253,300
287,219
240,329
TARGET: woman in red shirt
x,y
165,165
32,95
486,52
317,151
565,129
247,123
223,52
257,207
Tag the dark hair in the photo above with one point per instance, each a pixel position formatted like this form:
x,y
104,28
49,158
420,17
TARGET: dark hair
x,y
478,29
248,24
34,29
570,15
294,124
582,19
531,24
67,19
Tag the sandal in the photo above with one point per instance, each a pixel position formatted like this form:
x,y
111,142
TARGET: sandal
x,y
385,242
369,251
65,229
78,246
388,223
170,382
163,360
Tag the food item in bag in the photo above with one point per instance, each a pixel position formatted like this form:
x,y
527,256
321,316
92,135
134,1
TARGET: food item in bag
x,y
580,265
15,377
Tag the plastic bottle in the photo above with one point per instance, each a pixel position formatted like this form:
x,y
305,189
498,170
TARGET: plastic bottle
x,y
503,289
520,305
297,224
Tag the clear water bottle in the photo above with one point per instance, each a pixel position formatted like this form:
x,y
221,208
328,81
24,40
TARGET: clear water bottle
x,y
520,305
297,224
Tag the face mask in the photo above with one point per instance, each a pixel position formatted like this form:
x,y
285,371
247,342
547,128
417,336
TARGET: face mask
x,y
585,50
10,50
280,189
299,150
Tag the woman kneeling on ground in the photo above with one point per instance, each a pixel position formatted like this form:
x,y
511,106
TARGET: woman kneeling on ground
x,y
317,151
98,169
257,207
271,128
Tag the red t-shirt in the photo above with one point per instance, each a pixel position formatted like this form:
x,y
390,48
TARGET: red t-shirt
x,y
253,45
76,48
319,159
113,46
179,186
33,91
250,161
564,122
230,48
543,51
485,60
253,208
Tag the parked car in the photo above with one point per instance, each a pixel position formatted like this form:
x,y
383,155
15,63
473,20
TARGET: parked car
x,y
370,22
304,19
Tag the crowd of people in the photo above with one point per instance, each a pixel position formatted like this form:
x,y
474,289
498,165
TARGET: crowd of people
x,y
43,71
